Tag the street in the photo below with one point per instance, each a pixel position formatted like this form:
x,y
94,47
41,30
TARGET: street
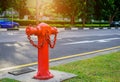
x,y
15,48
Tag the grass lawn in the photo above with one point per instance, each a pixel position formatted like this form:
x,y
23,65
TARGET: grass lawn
x,y
105,68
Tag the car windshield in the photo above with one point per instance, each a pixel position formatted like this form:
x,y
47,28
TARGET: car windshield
x,y
116,22
3,20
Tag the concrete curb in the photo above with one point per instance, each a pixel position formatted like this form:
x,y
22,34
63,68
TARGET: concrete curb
x,y
63,29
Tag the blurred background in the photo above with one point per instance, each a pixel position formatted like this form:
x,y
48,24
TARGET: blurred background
x,y
79,13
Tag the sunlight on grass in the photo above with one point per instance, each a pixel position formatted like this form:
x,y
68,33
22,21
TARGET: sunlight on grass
x,y
98,69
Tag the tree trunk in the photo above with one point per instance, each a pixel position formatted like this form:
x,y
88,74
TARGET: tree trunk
x,y
111,18
72,20
83,22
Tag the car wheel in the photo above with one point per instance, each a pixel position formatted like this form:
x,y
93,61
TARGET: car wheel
x,y
16,27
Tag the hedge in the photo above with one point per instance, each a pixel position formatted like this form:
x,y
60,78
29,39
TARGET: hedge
x,y
61,23
33,22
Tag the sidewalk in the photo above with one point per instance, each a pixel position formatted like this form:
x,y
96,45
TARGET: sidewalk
x,y
23,29
59,29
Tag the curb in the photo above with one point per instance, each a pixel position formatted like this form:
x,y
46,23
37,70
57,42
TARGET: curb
x,y
19,29
63,29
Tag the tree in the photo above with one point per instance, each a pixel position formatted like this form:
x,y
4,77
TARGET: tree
x,y
19,5
107,9
75,9
87,10
97,9
4,4
116,12
68,8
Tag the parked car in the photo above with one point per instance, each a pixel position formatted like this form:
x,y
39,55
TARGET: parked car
x,y
5,23
115,24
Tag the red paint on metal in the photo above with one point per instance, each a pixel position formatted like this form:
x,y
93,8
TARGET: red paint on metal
x,y
43,32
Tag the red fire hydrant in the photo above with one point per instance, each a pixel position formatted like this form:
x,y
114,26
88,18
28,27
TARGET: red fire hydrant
x,y
43,32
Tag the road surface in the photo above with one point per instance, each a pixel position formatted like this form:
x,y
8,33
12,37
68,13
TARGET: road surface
x,y
15,48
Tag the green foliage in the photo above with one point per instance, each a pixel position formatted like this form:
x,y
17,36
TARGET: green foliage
x,y
33,22
70,8
18,5
88,9
4,4
75,9
21,7
103,68
26,23
107,10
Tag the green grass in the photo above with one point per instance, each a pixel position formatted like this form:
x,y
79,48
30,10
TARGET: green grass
x,y
8,80
105,68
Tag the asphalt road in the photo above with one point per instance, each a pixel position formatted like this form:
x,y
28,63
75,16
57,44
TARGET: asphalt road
x,y
15,48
